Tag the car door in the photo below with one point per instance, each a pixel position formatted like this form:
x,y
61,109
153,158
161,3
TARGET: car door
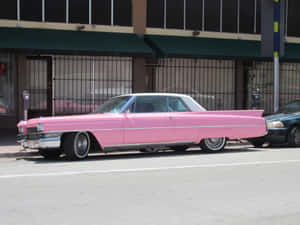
x,y
149,121
185,123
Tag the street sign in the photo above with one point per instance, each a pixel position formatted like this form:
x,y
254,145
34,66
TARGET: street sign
x,y
267,27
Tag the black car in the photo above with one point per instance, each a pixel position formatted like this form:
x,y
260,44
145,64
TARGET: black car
x,y
283,127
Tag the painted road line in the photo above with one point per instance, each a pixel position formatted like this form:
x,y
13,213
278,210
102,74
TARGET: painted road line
x,y
87,172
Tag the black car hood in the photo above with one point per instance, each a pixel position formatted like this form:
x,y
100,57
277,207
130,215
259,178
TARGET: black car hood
x,y
282,116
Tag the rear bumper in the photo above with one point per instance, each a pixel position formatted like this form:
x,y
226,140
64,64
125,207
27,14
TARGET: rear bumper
x,y
40,140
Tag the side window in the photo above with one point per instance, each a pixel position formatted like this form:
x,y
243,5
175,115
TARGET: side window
x,y
176,105
149,104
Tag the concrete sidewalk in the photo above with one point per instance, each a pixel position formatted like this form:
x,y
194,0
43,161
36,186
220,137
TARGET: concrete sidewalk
x,y
10,148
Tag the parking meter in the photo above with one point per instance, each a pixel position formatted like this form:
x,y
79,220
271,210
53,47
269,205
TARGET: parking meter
x,y
26,99
255,99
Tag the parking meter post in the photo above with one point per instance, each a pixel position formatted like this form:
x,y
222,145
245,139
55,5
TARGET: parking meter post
x,y
26,98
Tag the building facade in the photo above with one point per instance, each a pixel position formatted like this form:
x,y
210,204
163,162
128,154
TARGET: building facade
x,y
72,55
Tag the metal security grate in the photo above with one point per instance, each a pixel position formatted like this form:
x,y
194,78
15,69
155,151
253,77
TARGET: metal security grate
x,y
261,84
211,82
64,84
260,88
289,82
82,83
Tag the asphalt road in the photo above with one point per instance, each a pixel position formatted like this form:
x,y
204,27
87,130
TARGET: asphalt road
x,y
240,186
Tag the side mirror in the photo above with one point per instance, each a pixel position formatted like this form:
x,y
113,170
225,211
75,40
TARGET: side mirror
x,y
127,111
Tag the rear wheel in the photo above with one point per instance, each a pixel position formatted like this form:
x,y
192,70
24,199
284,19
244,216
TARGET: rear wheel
x,y
76,145
213,144
50,153
294,137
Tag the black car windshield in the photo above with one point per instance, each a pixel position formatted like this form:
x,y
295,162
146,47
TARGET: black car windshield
x,y
113,105
292,107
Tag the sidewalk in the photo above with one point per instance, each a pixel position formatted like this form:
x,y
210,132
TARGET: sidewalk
x,y
9,148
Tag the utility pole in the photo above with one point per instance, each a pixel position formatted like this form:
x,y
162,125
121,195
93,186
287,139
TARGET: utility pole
x,y
273,38
276,53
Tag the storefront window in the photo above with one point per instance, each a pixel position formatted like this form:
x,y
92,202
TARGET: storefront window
x,y
155,13
31,10
6,85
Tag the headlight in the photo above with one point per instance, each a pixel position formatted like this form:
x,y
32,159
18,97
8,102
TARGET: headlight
x,y
275,124
40,127
21,129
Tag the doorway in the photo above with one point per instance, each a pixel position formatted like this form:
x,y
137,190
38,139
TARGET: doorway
x,y
39,85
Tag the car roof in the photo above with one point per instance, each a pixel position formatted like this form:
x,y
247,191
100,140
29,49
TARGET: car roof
x,y
156,94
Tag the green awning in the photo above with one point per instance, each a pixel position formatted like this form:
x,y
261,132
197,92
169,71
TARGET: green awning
x,y
174,46
73,41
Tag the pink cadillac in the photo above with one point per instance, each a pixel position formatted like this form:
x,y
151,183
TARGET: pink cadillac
x,y
145,122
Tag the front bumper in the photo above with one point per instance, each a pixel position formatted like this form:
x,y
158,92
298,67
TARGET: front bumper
x,y
40,140
277,136
274,136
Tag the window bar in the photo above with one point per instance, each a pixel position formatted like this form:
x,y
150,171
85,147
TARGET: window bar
x,y
238,16
93,81
53,85
221,15
112,12
165,14
255,15
203,15
286,17
18,10
43,10
90,11
67,11
184,14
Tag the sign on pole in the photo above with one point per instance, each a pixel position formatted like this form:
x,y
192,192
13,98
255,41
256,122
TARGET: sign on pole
x,y
273,37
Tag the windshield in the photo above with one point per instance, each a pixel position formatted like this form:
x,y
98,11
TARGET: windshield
x,y
292,107
113,105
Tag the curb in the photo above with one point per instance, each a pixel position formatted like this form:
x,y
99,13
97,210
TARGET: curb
x,y
18,154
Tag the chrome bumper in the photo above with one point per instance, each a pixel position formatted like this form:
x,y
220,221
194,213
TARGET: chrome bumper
x,y
40,140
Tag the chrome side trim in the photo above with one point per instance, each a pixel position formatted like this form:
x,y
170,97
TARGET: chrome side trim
x,y
153,128
142,145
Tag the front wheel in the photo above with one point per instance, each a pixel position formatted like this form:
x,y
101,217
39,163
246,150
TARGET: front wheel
x,y
294,137
213,144
76,145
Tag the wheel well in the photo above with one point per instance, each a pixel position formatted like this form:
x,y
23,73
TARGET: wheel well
x,y
95,146
290,128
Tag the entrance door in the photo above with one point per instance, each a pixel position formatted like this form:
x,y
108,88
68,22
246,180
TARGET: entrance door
x,y
39,85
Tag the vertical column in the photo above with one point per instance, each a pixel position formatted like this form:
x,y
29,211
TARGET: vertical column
x,y
276,53
21,75
239,85
139,72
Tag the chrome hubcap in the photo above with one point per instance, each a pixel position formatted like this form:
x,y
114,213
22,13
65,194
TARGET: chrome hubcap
x,y
215,144
82,145
297,137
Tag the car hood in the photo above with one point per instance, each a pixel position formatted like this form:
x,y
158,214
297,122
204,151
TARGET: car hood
x,y
57,119
282,116
58,123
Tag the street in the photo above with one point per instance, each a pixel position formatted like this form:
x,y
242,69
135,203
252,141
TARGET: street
x,y
240,186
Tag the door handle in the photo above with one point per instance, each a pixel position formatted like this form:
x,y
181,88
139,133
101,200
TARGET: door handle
x,y
171,117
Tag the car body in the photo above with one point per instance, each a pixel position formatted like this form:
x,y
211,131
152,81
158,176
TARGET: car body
x,y
283,127
143,122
